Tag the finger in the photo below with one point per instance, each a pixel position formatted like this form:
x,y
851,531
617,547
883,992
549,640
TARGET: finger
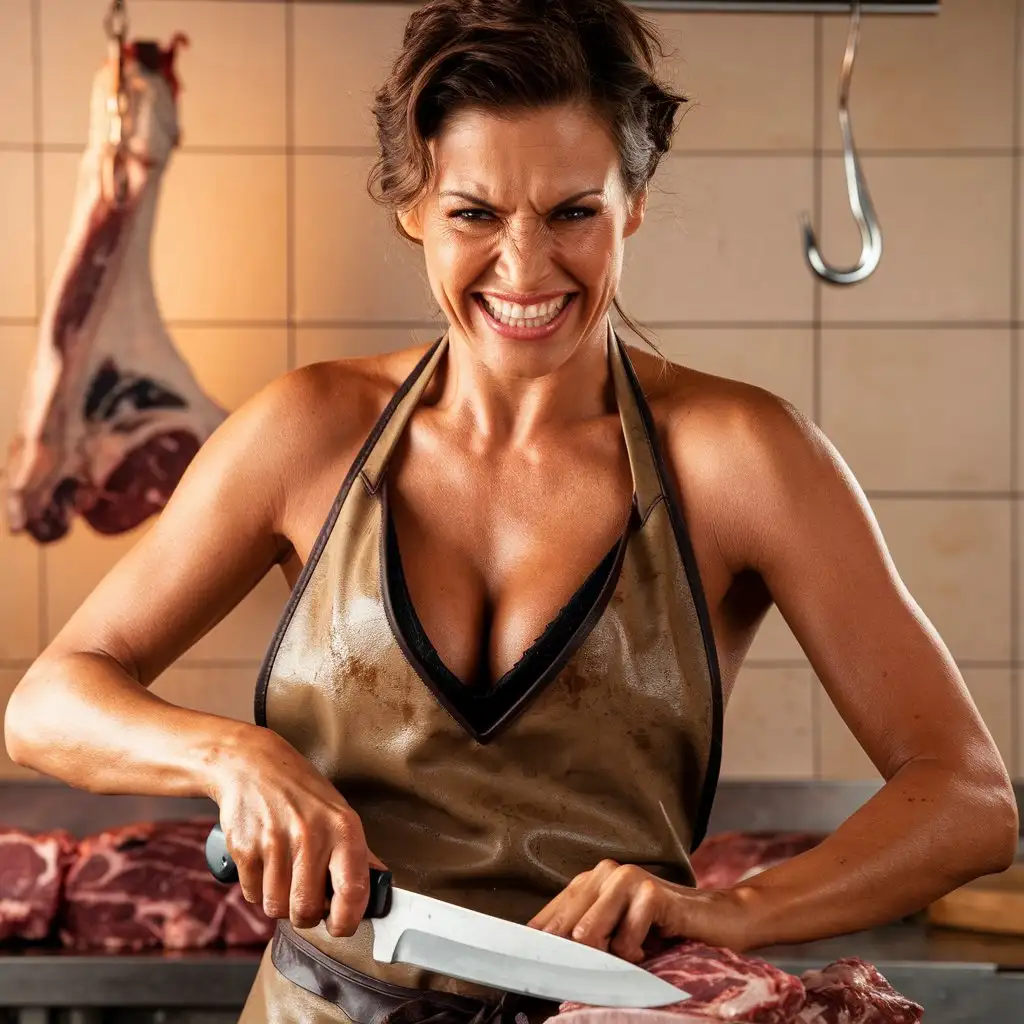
x,y
635,924
561,914
350,876
248,864
277,876
308,899
594,927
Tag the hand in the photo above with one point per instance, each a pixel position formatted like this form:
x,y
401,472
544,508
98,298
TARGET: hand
x,y
615,906
286,827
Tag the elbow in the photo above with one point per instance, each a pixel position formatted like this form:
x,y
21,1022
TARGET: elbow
x,y
996,825
21,728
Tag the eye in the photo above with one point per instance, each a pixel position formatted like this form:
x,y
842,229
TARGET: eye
x,y
572,213
471,214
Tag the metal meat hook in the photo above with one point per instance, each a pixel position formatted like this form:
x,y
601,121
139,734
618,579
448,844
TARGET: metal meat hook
x,y
856,186
115,171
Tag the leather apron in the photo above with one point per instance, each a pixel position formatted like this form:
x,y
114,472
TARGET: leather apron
x,y
490,799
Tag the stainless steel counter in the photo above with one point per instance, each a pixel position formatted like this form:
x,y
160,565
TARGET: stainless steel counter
x,y
958,977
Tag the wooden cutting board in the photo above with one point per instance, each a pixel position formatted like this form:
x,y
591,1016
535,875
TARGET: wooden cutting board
x,y
993,904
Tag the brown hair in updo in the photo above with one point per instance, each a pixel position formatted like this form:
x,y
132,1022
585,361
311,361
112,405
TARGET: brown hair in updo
x,y
505,55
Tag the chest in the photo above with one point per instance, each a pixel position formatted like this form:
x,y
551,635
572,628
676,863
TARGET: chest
x,y
493,551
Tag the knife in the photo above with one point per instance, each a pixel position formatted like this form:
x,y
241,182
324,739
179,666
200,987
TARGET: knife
x,y
465,944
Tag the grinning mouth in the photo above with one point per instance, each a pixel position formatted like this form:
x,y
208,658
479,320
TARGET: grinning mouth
x,y
515,315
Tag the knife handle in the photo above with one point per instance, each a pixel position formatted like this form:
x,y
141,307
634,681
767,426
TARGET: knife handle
x,y
223,868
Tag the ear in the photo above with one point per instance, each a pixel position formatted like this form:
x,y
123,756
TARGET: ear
x,y
637,209
412,223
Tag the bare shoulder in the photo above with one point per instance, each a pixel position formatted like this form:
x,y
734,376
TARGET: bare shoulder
x,y
741,455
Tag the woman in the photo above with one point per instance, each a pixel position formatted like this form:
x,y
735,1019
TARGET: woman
x,y
524,484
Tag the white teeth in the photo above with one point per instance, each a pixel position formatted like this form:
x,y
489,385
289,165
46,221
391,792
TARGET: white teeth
x,y
515,315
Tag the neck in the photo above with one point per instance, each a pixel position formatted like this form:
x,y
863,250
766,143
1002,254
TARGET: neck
x,y
502,410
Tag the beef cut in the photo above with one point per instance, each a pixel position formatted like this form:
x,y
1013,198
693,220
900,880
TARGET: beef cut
x,y
850,991
111,414
727,858
148,885
32,872
723,985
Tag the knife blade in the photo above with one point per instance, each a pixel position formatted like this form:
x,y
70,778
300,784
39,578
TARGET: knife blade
x,y
459,943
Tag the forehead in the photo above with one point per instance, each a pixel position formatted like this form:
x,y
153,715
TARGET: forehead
x,y
554,145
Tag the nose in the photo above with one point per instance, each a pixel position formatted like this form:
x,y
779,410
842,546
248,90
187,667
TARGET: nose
x,y
526,249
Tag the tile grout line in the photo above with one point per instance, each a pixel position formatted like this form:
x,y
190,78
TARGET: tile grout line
x,y
1017,766
289,181
36,29
816,355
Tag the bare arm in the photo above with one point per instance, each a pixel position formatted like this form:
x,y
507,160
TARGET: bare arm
x,y
946,813
82,713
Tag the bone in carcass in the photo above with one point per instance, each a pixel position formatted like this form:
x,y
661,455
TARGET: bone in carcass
x,y
148,886
32,872
111,415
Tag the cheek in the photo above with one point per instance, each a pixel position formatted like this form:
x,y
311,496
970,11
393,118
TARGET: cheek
x,y
453,259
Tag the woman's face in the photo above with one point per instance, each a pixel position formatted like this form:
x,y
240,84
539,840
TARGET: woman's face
x,y
523,231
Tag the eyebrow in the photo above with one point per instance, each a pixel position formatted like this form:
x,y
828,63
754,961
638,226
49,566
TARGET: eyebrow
x,y
483,202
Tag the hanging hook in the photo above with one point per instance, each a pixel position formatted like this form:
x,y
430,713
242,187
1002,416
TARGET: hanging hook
x,y
856,186
115,169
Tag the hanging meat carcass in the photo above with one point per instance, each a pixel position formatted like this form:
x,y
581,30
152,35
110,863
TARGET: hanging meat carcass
x,y
111,415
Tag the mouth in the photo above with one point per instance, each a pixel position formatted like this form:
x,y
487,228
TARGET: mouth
x,y
525,323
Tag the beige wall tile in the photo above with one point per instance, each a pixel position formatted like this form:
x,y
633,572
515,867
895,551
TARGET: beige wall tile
x,y
945,236
954,557
921,409
219,236
768,725
16,72
9,678
18,253
16,347
219,248
233,363
721,241
345,56
227,691
321,344
19,596
232,73
74,47
930,82
350,262
723,63
779,360
842,757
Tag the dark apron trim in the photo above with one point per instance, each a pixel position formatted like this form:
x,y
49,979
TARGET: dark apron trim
x,y
367,1000
700,603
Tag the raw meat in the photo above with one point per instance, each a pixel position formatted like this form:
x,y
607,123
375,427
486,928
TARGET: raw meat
x,y
853,992
148,885
32,871
722,985
724,859
111,415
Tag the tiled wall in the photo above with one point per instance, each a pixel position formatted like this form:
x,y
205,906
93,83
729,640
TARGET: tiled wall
x,y
268,254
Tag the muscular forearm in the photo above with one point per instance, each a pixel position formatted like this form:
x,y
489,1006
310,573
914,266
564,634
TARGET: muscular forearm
x,y
927,831
82,719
